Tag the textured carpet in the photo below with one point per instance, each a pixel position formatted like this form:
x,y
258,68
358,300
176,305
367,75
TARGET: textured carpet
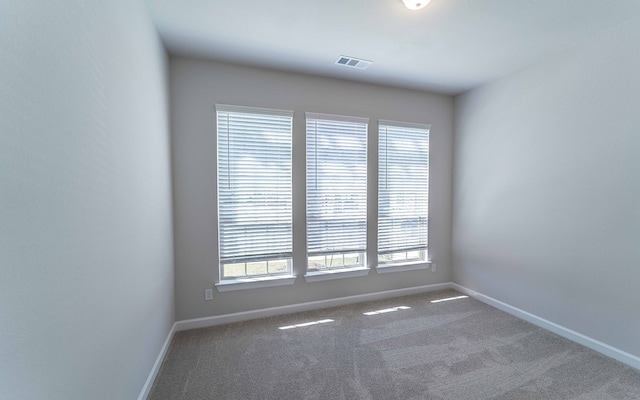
x,y
410,349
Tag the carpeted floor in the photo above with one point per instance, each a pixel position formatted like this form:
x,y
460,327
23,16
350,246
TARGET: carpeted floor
x,y
410,349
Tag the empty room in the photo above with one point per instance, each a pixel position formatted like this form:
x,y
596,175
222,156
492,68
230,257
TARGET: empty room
x,y
362,199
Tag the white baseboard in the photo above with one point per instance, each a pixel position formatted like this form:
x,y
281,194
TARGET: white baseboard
x,y
156,366
294,308
600,347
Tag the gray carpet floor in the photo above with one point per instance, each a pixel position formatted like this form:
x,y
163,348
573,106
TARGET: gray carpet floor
x,y
405,348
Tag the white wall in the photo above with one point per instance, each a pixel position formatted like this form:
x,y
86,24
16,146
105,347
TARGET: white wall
x,y
86,259
196,86
547,189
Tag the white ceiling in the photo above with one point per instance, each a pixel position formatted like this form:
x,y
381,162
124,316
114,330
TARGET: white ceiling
x,y
449,46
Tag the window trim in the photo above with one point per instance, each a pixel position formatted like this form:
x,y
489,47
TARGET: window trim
x,y
229,285
335,117
370,263
340,271
419,264
409,266
262,279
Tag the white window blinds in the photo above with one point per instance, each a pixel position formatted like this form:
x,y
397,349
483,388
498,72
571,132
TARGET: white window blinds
x,y
336,184
403,187
254,184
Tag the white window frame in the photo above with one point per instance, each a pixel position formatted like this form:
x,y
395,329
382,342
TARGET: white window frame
x,y
353,125
276,228
416,254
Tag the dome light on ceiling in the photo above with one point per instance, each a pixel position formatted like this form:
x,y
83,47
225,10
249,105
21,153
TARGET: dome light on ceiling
x,y
415,5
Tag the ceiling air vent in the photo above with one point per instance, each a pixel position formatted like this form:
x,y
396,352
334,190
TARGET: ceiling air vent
x,y
353,62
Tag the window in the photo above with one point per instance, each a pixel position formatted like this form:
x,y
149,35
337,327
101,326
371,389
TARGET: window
x,y
336,192
403,192
254,191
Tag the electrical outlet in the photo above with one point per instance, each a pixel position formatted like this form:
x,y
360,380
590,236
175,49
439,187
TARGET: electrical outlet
x,y
433,267
208,294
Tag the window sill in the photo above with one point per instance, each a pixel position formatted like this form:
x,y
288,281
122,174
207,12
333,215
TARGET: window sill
x,y
317,276
386,268
229,285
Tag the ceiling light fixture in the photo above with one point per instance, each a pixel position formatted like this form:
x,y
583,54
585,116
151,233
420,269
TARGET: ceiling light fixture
x,y
415,4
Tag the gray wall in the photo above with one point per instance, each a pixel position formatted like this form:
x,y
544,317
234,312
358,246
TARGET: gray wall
x,y
547,188
196,86
86,259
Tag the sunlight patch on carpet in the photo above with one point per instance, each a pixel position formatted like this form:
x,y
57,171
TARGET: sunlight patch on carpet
x,y
449,299
304,324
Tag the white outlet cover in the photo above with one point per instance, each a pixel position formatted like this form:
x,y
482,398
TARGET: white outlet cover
x,y
208,294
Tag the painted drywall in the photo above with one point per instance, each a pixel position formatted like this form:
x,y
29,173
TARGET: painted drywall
x,y
86,259
547,187
196,86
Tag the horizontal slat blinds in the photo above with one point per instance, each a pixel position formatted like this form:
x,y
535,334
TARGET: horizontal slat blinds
x,y
403,187
336,184
254,184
